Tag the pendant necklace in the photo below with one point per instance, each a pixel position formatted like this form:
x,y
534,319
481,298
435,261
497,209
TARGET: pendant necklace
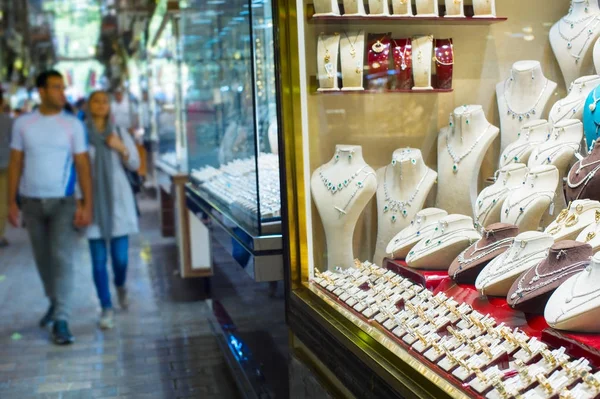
x,y
569,113
458,158
402,55
352,45
587,271
337,187
511,260
589,27
558,274
497,197
359,186
529,199
327,57
527,114
396,205
378,46
436,241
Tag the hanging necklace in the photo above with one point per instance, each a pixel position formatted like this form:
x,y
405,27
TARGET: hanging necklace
x,y
558,148
352,45
590,32
402,55
531,111
481,213
396,205
337,187
458,158
436,59
582,165
327,58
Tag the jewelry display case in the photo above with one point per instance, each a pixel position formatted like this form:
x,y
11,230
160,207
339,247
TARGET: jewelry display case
x,y
232,130
359,158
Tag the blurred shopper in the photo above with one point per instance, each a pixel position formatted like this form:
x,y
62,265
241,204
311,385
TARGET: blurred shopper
x,y
121,111
112,150
6,124
49,153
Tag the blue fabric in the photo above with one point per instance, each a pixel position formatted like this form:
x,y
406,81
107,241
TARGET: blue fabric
x,y
591,120
119,251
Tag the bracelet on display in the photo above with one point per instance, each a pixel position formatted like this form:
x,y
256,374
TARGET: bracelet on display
x,y
444,62
378,59
402,55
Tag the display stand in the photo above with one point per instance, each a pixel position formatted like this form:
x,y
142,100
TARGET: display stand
x,y
379,8
461,150
571,107
427,8
522,97
402,54
572,221
352,45
531,135
583,178
354,7
455,9
430,279
424,223
484,8
402,8
422,52
328,53
572,39
591,118
378,61
327,7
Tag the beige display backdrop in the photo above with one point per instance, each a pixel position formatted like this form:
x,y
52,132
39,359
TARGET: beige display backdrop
x,y
383,122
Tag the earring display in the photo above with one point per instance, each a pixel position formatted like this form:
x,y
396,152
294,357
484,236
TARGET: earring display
x,y
427,8
422,47
455,9
379,8
328,48
531,291
402,8
378,60
444,62
570,222
484,8
352,44
402,53
327,7
354,7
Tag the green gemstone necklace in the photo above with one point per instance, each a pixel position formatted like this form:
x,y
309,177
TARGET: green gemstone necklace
x,y
458,158
334,187
395,206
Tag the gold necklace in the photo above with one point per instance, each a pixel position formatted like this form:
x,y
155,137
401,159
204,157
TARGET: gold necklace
x,y
378,47
327,56
436,59
352,45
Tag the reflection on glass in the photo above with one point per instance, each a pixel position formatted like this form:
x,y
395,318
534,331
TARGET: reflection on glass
x,y
231,108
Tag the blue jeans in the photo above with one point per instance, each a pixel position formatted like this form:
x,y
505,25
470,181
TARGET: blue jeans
x,y
119,249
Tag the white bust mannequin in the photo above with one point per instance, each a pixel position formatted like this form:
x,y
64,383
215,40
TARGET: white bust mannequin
x,y
527,206
559,150
427,8
423,224
571,107
452,235
328,53
523,97
352,53
326,7
379,8
597,56
575,305
591,234
355,184
488,208
570,222
531,135
422,53
404,185
461,149
354,7
402,8
484,8
455,9
528,249
572,39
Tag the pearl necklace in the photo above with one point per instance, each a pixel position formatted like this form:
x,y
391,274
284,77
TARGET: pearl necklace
x,y
526,114
559,274
458,158
397,205
335,188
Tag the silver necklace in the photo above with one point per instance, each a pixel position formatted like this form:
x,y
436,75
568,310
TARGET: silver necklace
x,y
571,112
337,187
497,197
510,260
458,158
574,268
573,296
442,239
558,148
522,115
396,205
359,186
569,40
483,251
582,165
530,198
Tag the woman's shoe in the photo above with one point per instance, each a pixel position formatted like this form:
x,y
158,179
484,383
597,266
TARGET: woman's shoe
x,y
106,319
123,300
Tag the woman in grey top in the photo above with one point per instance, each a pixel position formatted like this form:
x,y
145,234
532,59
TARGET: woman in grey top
x,y
115,216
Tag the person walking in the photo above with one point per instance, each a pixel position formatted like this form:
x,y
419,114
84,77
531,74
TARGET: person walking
x,y
6,124
115,218
48,156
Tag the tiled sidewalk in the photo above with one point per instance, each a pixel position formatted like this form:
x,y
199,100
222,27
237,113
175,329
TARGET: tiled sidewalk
x,y
161,348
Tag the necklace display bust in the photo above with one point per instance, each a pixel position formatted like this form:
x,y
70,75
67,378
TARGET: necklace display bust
x,y
572,39
422,53
423,224
559,150
462,147
352,54
379,8
527,206
571,107
497,238
570,222
402,8
326,7
531,291
427,8
583,180
341,189
328,55
591,234
452,235
529,137
455,9
575,305
484,8
522,98
404,186
527,250
354,7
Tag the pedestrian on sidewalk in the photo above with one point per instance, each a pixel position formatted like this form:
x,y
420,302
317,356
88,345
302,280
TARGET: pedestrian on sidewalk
x,y
6,124
48,156
112,149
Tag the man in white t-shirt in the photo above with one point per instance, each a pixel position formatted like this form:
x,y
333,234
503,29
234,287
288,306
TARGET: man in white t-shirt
x,y
48,157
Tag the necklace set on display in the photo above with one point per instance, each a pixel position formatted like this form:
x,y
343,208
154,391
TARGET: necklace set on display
x,y
458,158
334,188
531,111
524,202
479,253
442,238
590,24
556,275
395,206
570,113
358,68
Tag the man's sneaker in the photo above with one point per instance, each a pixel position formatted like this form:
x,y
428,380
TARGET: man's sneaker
x,y
106,321
123,300
48,317
61,334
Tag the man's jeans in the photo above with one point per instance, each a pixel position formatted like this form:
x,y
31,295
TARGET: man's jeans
x,y
54,239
